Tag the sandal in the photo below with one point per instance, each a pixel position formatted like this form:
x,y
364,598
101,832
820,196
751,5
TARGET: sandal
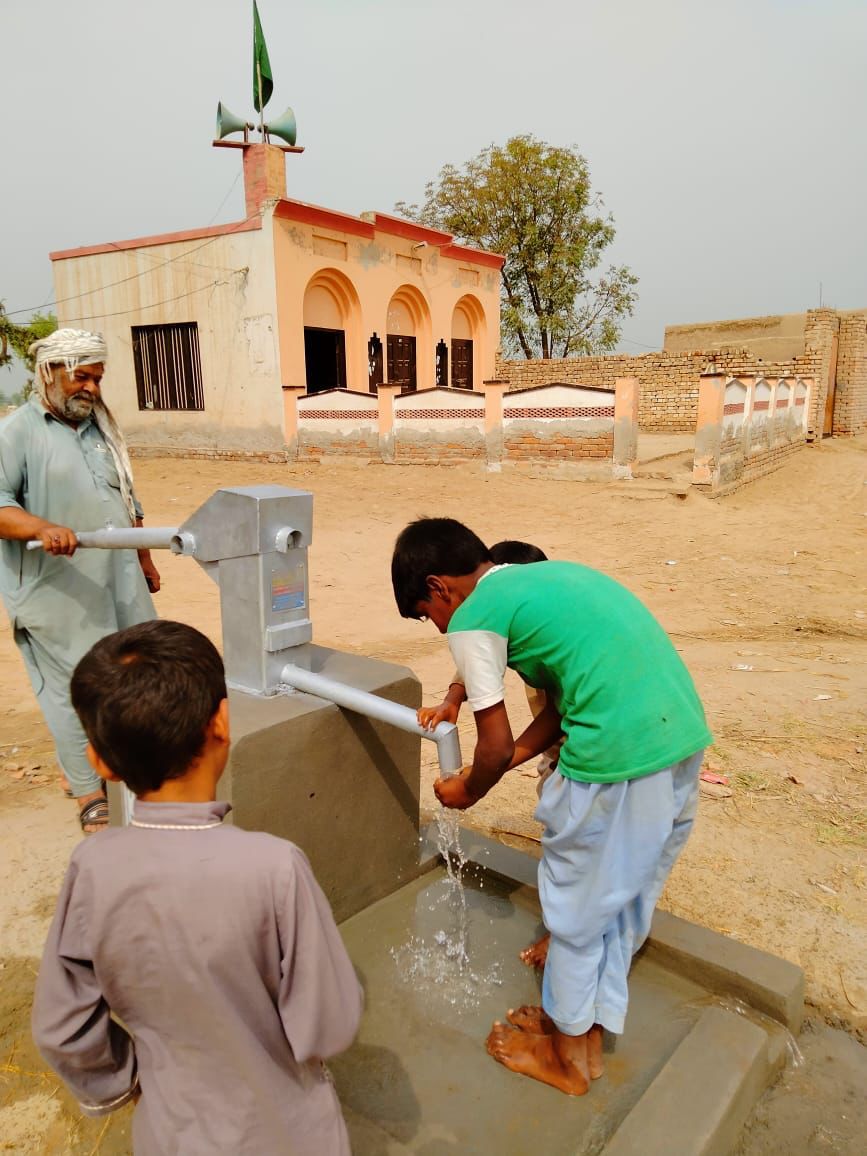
x,y
95,814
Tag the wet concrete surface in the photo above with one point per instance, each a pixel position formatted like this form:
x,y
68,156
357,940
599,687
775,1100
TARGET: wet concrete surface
x,y
418,1078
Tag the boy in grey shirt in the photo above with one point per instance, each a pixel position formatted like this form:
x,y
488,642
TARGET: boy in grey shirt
x,y
191,964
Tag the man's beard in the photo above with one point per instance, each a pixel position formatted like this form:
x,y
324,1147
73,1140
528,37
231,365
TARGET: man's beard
x,y
75,408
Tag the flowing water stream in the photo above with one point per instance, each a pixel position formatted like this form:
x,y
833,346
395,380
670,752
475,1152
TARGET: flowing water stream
x,y
442,960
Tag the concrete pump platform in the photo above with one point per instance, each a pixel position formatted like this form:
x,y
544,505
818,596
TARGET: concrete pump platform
x,y
704,1036
706,1026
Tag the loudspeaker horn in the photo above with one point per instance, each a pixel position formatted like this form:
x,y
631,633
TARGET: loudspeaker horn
x,y
227,122
284,127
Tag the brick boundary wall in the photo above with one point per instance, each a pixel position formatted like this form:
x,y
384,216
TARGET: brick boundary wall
x,y
526,446
570,427
157,450
739,438
850,402
313,444
669,381
421,449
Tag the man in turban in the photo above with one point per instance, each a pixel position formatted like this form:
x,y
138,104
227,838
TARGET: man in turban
x,y
64,467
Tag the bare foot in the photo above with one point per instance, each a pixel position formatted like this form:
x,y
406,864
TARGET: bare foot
x,y
534,1020
595,1065
65,787
536,1057
536,955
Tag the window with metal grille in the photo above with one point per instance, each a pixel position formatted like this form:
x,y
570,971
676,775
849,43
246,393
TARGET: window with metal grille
x,y
168,370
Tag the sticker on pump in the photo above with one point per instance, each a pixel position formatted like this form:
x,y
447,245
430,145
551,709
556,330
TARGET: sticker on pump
x,y
287,590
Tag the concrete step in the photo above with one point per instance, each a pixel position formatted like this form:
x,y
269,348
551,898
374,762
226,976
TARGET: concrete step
x,y
649,487
701,1099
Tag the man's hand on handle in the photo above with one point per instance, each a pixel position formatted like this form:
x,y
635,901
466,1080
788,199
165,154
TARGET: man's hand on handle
x,y
57,539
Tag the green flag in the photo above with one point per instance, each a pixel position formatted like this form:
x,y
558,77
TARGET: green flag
x,y
263,82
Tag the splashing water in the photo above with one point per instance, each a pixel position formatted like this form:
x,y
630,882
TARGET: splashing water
x,y
449,846
443,964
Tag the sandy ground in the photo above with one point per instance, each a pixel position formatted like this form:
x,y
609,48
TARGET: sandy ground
x,y
763,594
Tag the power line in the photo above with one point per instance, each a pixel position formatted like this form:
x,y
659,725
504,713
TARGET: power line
x,y
156,304
133,276
231,190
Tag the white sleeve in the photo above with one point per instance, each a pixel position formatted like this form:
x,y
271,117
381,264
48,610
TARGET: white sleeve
x,y
481,657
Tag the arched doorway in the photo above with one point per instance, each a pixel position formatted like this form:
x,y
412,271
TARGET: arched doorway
x,y
331,318
407,343
468,321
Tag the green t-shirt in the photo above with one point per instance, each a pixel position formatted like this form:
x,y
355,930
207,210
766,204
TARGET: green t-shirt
x,y
628,703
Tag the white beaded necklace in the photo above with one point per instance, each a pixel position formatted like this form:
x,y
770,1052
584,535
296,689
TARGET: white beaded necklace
x,y
177,826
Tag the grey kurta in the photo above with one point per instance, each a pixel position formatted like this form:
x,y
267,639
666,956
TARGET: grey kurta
x,y
218,951
61,606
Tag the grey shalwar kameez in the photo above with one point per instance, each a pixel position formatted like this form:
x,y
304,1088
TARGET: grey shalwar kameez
x,y
61,606
218,951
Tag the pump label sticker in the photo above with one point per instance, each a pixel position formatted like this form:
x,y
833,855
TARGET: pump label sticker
x,y
287,590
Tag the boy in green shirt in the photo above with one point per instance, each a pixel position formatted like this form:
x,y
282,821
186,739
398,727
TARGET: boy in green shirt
x,y
622,801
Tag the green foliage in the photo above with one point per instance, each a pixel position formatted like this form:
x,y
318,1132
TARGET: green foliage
x,y
533,203
15,341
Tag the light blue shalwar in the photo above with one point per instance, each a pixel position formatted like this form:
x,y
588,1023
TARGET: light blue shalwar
x,y
59,607
607,850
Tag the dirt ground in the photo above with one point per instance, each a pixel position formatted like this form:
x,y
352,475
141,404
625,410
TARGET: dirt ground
x,y
763,594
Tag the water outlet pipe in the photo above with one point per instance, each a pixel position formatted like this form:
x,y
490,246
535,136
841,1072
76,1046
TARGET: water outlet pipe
x,y
445,735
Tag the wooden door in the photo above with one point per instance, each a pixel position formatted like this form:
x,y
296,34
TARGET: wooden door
x,y
400,351
462,363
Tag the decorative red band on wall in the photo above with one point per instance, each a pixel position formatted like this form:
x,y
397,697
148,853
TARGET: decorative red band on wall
x,y
435,414
560,411
339,414
760,405
800,401
732,407
781,403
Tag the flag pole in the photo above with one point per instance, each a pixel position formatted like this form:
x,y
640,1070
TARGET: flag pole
x,y
261,110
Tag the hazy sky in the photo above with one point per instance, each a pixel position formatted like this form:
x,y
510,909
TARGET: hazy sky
x,y
727,139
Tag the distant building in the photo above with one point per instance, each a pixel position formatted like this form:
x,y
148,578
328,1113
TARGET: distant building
x,y
204,327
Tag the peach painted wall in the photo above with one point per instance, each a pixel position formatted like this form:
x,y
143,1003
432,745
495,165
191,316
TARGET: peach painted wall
x,y
225,283
251,286
364,265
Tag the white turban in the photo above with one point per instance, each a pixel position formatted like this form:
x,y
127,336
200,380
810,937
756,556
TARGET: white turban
x,y
72,348
69,348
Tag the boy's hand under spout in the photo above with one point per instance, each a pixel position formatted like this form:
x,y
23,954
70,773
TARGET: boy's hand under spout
x,y
452,791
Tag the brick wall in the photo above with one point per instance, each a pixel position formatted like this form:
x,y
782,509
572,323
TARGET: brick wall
x,y
850,402
522,445
313,443
588,432
669,381
437,448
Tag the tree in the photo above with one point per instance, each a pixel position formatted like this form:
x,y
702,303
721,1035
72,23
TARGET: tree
x,y
533,203
15,341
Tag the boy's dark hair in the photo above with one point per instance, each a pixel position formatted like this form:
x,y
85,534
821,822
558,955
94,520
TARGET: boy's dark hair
x,y
432,546
145,696
515,552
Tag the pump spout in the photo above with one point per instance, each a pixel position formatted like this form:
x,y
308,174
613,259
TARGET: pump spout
x,y
445,735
